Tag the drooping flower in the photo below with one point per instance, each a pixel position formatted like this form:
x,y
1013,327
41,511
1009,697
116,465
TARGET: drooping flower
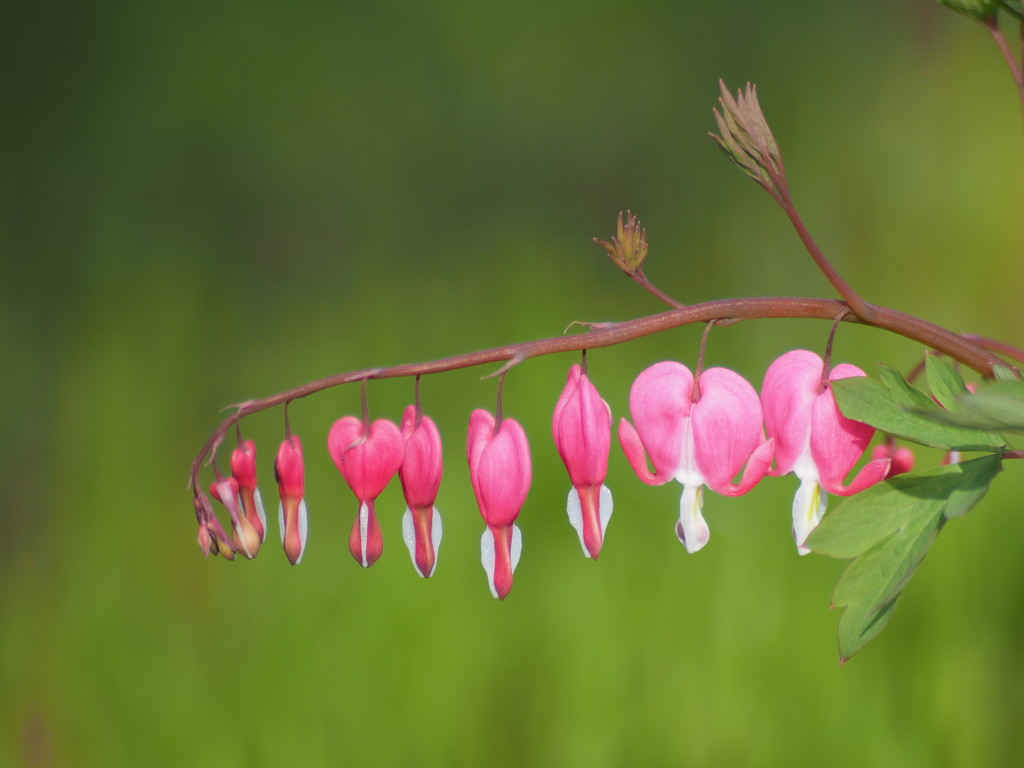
x,y
813,439
420,474
243,469
902,458
212,538
246,538
695,439
290,474
367,459
582,426
500,471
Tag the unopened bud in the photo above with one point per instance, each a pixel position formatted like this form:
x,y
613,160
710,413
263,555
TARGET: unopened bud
x,y
746,138
628,248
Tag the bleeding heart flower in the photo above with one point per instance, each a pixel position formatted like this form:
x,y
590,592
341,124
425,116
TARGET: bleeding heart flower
x,y
420,474
812,438
582,429
696,440
243,469
211,538
290,474
246,538
901,456
367,459
500,471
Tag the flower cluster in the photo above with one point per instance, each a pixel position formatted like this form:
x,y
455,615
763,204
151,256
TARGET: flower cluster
x,y
703,429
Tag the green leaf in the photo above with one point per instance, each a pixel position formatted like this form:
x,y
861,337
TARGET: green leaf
x,y
996,407
999,404
1005,373
893,405
945,383
888,529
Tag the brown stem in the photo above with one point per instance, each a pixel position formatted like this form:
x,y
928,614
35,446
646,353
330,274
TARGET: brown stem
x,y
1016,68
641,278
861,308
968,352
995,345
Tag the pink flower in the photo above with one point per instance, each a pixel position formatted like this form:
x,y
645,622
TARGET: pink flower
x,y
901,456
500,471
243,469
291,483
812,438
246,538
582,427
420,474
211,538
697,442
367,459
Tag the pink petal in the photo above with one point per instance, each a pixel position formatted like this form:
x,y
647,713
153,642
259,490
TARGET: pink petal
x,y
504,474
726,431
582,430
790,387
421,468
288,468
659,402
366,461
838,442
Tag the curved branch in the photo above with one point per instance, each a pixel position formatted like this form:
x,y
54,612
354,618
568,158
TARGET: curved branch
x,y
965,350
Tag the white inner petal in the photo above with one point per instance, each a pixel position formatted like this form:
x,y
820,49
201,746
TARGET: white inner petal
x,y
280,520
691,529
409,537
435,537
487,558
260,513
808,509
364,526
517,546
575,513
606,508
687,473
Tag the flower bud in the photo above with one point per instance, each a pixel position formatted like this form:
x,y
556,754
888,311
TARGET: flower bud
x,y
243,469
582,430
420,475
629,248
247,540
500,471
290,474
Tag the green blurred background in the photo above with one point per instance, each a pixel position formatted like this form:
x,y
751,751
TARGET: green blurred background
x,y
204,203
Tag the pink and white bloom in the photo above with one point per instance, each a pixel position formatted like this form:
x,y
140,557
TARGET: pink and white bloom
x,y
500,471
420,474
290,473
813,439
247,540
696,441
243,469
367,458
582,426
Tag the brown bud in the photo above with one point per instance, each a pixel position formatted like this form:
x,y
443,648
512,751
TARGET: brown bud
x,y
628,248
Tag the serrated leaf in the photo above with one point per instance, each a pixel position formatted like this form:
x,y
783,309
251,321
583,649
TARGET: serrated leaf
x,y
868,589
862,521
893,405
888,530
945,383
